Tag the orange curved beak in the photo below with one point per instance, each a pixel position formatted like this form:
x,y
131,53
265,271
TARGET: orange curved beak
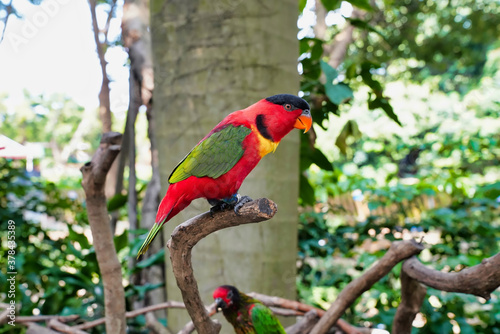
x,y
304,121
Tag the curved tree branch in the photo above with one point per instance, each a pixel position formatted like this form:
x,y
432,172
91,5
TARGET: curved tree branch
x,y
398,251
412,297
187,235
480,280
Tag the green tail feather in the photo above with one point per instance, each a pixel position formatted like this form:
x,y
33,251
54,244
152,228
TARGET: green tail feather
x,y
152,234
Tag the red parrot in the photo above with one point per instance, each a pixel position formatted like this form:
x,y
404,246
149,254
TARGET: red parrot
x,y
247,315
216,167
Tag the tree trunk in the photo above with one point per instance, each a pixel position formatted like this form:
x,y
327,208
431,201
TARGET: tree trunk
x,y
104,93
137,40
212,58
94,177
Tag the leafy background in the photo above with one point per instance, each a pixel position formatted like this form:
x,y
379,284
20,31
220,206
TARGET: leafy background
x,y
406,144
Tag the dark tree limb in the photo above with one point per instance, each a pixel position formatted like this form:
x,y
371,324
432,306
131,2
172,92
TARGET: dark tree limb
x,y
186,236
412,297
480,280
94,178
398,251
305,325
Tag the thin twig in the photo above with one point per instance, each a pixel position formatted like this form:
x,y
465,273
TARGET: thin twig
x,y
133,314
37,318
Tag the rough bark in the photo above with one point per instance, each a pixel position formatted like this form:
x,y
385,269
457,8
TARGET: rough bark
x,y
480,280
398,251
212,58
94,177
188,234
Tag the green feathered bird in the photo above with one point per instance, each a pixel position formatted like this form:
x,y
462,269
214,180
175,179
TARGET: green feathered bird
x,y
247,315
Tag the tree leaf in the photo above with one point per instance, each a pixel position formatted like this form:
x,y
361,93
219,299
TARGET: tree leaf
x,y
117,201
121,241
317,50
79,237
338,93
366,26
318,158
306,191
362,4
330,73
382,102
156,258
350,129
331,4
302,5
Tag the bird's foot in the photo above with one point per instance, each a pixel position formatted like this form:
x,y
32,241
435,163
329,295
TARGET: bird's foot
x,y
223,204
219,207
242,201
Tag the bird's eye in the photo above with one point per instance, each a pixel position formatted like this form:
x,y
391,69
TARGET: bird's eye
x,y
288,107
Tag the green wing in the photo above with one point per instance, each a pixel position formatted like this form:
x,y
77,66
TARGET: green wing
x,y
264,321
214,156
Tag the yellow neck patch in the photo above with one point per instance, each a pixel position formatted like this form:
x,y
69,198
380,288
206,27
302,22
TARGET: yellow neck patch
x,y
266,146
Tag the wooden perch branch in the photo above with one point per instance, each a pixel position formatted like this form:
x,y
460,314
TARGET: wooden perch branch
x,y
305,325
480,280
311,314
94,178
187,235
133,314
398,251
412,297
285,303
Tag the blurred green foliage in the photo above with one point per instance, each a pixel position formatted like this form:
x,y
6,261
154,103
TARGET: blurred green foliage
x,y
424,108
418,76
57,270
